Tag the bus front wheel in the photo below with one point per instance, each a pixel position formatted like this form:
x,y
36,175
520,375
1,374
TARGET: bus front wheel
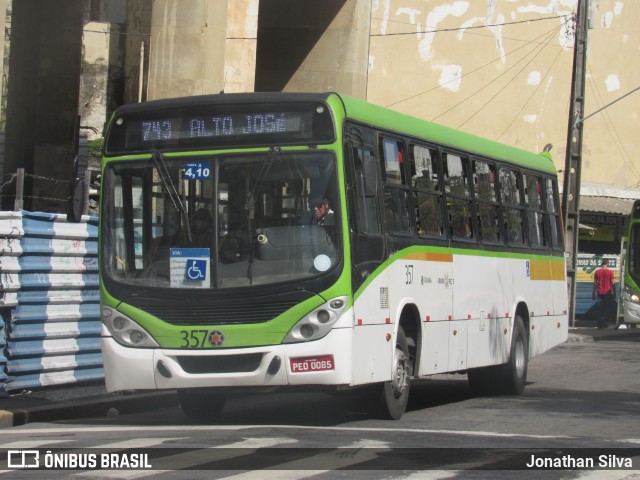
x,y
394,395
201,404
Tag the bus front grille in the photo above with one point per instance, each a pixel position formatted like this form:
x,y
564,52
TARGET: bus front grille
x,y
220,364
219,313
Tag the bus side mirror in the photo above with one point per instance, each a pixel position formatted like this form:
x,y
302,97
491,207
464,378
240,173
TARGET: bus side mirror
x,y
77,197
636,209
370,176
76,201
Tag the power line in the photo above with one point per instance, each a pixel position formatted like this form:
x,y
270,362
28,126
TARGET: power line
x,y
546,34
493,81
531,96
580,120
503,88
440,30
617,140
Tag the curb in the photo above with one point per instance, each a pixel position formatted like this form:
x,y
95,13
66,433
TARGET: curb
x,y
97,407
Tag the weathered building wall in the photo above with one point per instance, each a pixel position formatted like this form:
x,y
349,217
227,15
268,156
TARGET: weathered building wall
x,y
611,139
502,69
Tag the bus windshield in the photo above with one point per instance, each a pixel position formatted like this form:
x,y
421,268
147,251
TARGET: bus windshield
x,y
220,221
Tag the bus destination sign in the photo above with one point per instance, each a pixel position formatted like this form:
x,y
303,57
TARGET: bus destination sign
x,y
187,127
220,126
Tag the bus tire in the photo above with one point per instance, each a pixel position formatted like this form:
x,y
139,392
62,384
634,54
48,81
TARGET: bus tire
x,y
201,404
514,372
394,394
510,378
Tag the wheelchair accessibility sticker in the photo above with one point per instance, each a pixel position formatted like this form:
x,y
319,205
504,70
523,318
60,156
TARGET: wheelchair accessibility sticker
x,y
189,267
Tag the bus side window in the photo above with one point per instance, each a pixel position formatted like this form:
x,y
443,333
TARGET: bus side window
x,y
365,218
554,217
396,188
535,211
427,191
488,210
513,222
458,190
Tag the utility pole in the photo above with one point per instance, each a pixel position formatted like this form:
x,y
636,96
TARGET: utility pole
x,y
573,161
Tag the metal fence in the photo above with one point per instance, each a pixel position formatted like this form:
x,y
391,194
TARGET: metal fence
x,y
49,299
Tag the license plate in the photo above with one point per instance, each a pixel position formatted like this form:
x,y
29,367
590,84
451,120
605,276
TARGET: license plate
x,y
312,364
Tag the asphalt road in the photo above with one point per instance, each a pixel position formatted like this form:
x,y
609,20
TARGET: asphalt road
x,y
582,401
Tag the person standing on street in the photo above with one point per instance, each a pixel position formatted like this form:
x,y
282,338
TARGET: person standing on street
x,y
604,288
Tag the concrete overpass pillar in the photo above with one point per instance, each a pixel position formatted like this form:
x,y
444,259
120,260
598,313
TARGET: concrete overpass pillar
x,y
313,46
187,47
42,103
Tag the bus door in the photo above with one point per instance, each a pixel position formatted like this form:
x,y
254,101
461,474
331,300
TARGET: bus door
x,y
372,354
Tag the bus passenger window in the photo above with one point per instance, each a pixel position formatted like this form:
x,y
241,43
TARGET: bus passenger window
x,y
396,189
488,210
513,223
427,191
459,205
553,212
535,211
365,218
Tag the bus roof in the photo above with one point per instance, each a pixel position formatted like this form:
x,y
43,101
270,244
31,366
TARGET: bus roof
x,y
405,124
371,114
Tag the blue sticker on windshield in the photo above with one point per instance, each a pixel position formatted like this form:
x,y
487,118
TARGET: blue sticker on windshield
x,y
197,171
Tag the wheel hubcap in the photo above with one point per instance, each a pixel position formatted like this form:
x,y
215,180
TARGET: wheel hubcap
x,y
400,380
520,360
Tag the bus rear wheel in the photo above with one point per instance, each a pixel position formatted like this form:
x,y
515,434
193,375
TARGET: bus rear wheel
x,y
514,372
510,378
394,395
201,404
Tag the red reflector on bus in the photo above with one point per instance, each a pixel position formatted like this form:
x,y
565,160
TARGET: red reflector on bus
x,y
311,364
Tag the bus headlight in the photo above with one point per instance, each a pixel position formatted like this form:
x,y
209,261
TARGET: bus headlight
x,y
125,331
317,323
630,295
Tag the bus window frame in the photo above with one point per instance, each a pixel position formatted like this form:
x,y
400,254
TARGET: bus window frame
x,y
467,197
401,186
519,207
436,193
494,203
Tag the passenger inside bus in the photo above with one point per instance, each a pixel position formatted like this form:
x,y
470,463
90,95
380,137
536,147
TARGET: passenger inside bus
x,y
202,228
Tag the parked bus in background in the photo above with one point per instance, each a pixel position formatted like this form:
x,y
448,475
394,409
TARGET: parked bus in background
x,y
631,291
443,252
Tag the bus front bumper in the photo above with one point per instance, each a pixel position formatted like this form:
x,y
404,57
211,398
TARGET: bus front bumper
x,y
321,362
631,312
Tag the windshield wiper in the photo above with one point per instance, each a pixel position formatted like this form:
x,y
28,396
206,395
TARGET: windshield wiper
x,y
170,188
250,203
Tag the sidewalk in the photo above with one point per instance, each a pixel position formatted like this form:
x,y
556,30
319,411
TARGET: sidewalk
x,y
75,402
93,400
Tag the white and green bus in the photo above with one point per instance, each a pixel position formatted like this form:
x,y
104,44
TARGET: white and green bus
x,y
258,241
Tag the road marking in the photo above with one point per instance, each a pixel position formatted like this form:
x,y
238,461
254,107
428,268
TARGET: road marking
x,y
26,444
190,459
339,458
206,428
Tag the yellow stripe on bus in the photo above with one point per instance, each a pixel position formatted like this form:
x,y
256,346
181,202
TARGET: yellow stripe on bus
x,y
430,257
547,270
